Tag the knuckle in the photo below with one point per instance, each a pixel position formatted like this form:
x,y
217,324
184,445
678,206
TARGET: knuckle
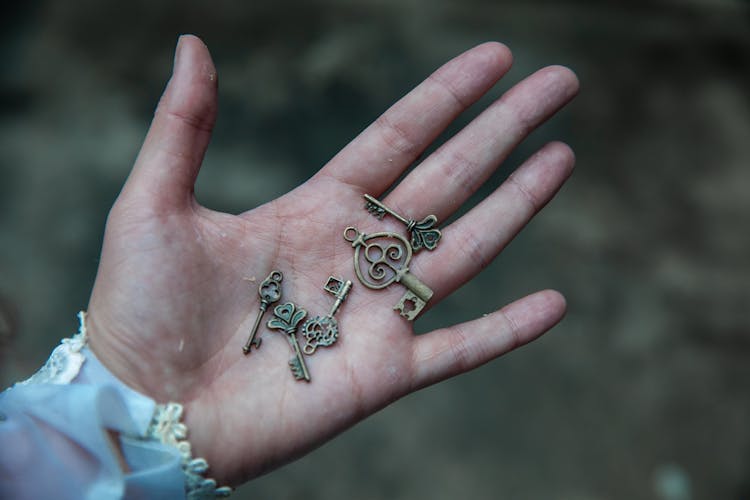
x,y
396,136
462,170
526,194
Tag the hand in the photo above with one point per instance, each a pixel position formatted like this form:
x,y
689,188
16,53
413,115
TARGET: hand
x,y
170,310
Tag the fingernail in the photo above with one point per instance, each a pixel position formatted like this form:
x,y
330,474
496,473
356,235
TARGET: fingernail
x,y
177,54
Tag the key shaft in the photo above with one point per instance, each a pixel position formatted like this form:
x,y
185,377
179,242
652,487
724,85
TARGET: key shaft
x,y
339,290
379,209
252,340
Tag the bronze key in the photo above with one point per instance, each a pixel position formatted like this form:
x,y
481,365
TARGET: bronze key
x,y
324,330
270,292
423,233
286,317
386,258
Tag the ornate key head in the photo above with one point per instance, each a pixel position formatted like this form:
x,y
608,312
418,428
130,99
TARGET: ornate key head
x,y
286,318
424,234
379,258
320,331
270,288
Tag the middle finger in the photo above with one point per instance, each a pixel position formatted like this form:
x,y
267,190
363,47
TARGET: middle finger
x,y
448,177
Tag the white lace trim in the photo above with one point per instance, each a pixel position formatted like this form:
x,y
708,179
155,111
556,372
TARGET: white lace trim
x,y
63,366
66,360
167,428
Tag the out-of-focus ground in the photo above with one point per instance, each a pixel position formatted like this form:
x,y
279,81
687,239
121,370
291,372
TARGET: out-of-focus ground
x,y
642,392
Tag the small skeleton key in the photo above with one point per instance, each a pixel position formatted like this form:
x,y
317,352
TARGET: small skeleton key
x,y
270,292
385,257
423,233
324,330
286,318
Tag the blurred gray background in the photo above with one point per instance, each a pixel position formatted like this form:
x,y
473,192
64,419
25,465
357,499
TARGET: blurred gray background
x,y
642,392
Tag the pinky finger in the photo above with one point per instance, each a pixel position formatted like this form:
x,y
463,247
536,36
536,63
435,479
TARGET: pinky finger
x,y
444,353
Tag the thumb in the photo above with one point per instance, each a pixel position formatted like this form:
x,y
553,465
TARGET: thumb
x,y
168,163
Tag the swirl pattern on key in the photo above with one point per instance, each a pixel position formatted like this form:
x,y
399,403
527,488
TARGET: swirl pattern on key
x,y
384,256
386,264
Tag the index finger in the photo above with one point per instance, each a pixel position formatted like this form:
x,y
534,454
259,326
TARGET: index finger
x,y
378,156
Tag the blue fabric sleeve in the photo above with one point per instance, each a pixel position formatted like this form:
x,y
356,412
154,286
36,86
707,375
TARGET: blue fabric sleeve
x,y
61,440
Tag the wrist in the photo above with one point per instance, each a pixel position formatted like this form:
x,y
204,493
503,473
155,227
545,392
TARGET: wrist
x,y
97,407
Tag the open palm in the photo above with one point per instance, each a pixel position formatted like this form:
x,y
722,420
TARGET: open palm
x,y
176,291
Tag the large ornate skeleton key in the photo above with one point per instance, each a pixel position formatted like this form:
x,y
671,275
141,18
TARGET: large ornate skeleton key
x,y
385,258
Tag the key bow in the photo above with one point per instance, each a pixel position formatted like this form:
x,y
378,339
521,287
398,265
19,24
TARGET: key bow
x,y
286,317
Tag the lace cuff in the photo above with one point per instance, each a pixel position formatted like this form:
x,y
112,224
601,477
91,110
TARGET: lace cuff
x,y
166,428
69,397
66,360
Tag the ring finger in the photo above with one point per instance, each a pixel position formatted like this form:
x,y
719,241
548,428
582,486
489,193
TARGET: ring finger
x,y
472,241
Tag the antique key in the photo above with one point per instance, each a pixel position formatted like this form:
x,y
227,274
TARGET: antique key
x,y
324,330
386,257
423,233
270,292
286,318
